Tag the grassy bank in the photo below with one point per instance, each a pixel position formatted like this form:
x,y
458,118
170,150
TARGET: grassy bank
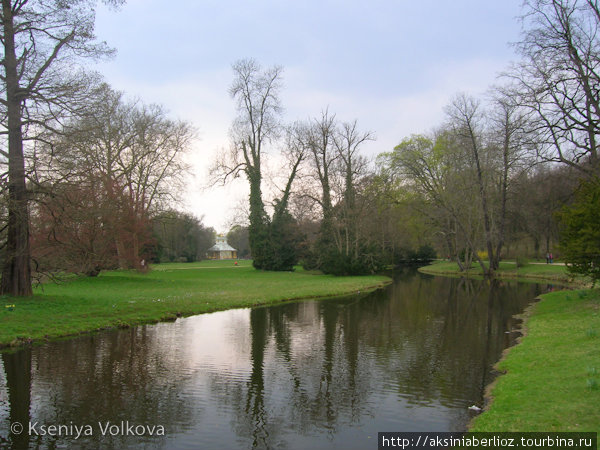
x,y
552,380
124,298
552,273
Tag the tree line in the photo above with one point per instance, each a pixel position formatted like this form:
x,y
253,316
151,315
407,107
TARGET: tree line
x,y
508,173
523,160
325,210
90,177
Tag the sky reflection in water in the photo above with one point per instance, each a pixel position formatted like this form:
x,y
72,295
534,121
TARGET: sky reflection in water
x,y
315,374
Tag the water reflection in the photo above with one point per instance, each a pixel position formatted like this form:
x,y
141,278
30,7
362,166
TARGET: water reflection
x,y
299,375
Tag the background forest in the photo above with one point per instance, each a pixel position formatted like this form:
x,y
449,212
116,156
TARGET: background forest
x,y
91,179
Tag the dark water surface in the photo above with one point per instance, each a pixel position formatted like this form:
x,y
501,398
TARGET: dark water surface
x,y
310,375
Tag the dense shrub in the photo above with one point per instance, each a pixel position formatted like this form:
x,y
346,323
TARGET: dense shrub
x,y
426,253
580,233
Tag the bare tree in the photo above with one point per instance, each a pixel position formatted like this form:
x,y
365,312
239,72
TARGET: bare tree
x,y
509,140
558,80
295,152
153,168
335,166
316,192
348,140
466,118
131,154
321,134
256,92
40,40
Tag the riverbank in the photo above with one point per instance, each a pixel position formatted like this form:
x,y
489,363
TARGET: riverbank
x,y
127,298
551,379
551,273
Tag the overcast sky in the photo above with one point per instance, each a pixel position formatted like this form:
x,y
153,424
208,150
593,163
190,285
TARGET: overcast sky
x,y
391,64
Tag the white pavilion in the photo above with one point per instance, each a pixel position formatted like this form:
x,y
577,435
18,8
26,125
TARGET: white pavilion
x,y
221,250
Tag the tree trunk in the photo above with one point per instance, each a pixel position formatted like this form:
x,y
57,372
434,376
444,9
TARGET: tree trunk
x,y
135,251
503,200
461,266
121,257
16,272
257,231
486,215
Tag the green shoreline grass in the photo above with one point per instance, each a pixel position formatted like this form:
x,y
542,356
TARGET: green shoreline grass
x,y
551,379
551,273
127,298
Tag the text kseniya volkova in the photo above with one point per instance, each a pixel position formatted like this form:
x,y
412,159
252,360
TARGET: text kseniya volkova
x,y
123,428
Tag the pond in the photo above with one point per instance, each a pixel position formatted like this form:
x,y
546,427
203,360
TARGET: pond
x,y
314,374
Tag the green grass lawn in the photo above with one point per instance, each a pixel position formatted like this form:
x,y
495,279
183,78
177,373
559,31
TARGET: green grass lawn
x,y
553,273
125,298
552,380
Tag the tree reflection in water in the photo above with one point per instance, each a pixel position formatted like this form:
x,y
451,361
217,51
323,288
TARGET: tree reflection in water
x,y
431,341
17,367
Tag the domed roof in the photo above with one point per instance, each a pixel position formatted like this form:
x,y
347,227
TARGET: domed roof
x,y
221,245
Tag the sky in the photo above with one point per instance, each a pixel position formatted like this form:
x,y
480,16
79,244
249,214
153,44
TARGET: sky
x,y
390,64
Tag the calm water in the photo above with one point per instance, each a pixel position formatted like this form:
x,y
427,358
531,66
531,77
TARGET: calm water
x,y
317,374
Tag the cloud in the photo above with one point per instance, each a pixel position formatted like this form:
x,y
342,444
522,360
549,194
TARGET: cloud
x,y
202,98
401,111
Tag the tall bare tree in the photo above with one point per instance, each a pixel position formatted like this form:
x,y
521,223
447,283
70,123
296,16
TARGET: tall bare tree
x,y
40,41
335,166
348,141
558,80
466,119
295,153
317,188
321,135
509,143
257,93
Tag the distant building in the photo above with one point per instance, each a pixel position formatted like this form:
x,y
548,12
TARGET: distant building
x,y
221,250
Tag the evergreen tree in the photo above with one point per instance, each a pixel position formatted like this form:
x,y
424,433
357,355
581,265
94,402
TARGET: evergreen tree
x,y
579,231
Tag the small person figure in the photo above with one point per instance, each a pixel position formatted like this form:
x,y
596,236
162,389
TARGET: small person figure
x,y
547,258
235,263
551,258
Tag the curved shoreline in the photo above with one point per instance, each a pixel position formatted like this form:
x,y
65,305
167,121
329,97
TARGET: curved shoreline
x,y
543,385
126,299
552,274
18,343
488,394
549,380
